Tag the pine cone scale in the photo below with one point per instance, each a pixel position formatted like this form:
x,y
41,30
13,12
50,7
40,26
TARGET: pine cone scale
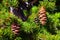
x,y
43,15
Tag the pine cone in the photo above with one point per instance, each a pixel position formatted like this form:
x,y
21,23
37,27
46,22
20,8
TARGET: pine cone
x,y
42,15
15,28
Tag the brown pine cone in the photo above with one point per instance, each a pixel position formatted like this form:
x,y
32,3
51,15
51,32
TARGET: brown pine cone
x,y
42,15
15,28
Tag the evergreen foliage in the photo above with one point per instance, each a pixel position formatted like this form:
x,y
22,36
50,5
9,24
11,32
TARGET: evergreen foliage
x,y
31,29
